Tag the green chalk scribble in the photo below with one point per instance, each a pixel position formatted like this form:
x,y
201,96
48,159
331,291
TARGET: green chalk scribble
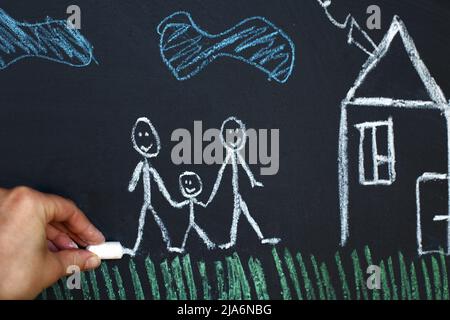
x,y
220,280
205,283
436,278
189,274
310,294
384,282
57,291
368,254
329,289
259,280
360,284
152,279
415,294
234,287
428,288
319,283
404,279
94,284
445,293
344,284
242,278
167,277
392,278
119,282
67,291
286,292
178,276
108,281
85,287
138,292
292,272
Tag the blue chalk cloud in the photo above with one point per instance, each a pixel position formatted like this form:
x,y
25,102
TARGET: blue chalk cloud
x,y
186,49
52,40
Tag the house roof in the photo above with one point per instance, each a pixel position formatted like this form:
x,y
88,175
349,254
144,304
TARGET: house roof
x,y
398,28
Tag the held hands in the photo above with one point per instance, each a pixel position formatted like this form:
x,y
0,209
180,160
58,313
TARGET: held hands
x,y
37,234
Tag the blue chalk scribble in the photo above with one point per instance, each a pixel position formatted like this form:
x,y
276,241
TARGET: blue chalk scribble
x,y
187,49
52,40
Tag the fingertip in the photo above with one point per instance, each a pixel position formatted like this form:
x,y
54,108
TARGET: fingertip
x,y
64,242
93,236
92,262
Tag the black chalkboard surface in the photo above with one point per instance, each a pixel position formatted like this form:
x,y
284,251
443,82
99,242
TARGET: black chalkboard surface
x,y
347,132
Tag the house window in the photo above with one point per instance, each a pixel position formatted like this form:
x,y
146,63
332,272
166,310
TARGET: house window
x,y
376,153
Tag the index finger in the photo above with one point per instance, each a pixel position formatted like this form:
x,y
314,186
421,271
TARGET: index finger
x,y
59,209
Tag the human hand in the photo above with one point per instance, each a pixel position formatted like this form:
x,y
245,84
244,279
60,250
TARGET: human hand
x,y
37,234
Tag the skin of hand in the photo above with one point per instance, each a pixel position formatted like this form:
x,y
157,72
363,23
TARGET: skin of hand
x,y
37,241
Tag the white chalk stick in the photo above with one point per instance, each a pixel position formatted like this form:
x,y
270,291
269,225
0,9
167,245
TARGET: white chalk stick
x,y
107,250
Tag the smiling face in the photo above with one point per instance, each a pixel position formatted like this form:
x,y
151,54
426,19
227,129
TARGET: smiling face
x,y
145,138
190,184
233,134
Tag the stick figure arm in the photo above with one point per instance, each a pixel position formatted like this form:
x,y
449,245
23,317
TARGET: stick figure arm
x,y
218,180
162,188
250,175
136,176
180,204
202,204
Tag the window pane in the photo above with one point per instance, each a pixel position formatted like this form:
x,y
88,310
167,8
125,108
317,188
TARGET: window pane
x,y
368,156
383,171
382,140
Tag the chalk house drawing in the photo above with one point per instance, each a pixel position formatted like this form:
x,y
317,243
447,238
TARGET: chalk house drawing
x,y
52,40
437,101
186,49
146,142
233,137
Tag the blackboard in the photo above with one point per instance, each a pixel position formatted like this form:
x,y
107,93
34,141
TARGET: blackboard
x,y
67,130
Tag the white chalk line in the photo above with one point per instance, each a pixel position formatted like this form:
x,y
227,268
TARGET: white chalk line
x,y
349,21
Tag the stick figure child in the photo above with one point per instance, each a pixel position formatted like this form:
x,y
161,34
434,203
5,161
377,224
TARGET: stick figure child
x,y
191,186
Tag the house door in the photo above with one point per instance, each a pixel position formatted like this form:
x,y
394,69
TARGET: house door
x,y
432,213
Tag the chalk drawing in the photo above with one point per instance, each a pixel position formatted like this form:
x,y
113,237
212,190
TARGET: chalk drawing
x,y
437,102
52,40
377,159
186,48
191,186
286,292
146,142
426,178
351,24
235,128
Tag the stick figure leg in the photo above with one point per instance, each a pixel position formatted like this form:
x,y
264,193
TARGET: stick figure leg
x,y
162,227
202,234
256,227
234,225
186,235
250,219
140,228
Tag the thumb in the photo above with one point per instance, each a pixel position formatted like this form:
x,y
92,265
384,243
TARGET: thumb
x,y
61,263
